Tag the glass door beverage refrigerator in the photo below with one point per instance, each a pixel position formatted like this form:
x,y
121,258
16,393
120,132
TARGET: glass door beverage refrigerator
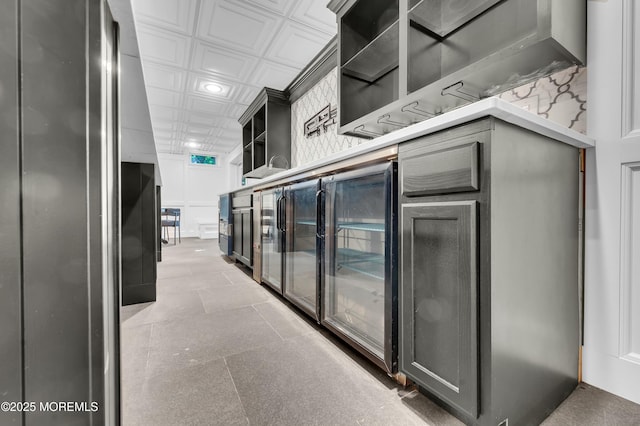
x,y
272,236
359,280
302,245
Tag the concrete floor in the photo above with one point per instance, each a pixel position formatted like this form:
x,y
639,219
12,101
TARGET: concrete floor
x,y
219,349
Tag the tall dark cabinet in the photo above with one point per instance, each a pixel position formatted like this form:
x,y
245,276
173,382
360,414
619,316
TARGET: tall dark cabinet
x,y
139,233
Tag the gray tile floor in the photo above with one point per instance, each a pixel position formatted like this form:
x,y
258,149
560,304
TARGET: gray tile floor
x,y
216,348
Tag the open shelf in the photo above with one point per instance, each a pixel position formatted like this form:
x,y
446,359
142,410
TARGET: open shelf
x,y
442,17
261,137
258,154
247,156
377,58
363,23
270,140
259,120
246,134
471,46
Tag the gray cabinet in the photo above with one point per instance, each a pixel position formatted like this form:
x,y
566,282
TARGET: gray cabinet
x,y
489,271
440,301
402,61
266,134
242,219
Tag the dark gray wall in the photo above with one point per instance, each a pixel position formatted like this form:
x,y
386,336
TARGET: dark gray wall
x,y
51,169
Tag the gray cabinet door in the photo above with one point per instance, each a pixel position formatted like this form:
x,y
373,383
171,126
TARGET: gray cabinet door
x,y
237,233
439,300
247,236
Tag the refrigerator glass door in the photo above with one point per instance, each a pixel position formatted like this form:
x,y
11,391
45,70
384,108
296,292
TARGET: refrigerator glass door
x,y
301,246
272,238
355,280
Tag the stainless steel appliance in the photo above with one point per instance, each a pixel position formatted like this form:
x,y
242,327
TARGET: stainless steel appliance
x,y
359,281
272,236
302,245
224,225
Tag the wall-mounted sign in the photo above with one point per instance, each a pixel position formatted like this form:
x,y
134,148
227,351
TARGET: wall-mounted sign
x,y
320,122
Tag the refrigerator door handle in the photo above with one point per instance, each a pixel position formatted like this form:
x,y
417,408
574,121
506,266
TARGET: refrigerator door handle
x,y
319,213
280,209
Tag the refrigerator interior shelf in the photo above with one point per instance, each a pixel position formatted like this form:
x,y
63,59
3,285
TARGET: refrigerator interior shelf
x,y
371,227
369,264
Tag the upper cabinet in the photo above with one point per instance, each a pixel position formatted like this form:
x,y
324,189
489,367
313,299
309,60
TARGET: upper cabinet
x,y
266,134
403,61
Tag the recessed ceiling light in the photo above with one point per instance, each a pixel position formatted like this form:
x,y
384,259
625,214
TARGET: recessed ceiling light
x,y
193,144
213,88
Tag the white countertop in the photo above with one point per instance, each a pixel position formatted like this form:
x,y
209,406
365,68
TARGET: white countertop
x,y
495,107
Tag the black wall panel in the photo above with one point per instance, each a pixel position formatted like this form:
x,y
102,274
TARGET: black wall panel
x,y
139,233
55,218
53,232
10,248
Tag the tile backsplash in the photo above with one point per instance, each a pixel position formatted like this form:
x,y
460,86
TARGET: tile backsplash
x,y
560,97
305,150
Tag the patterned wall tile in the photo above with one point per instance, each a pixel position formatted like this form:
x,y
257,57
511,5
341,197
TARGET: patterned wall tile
x,y
560,97
305,150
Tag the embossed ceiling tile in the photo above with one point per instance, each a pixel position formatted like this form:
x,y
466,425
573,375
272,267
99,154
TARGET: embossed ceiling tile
x,y
163,46
271,74
231,133
164,77
229,123
296,45
176,15
227,141
237,26
315,14
195,129
280,7
193,137
204,106
197,86
247,95
236,110
207,120
162,97
220,61
163,114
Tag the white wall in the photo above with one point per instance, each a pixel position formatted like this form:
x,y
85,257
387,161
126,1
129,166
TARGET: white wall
x,y
193,188
611,353
136,136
